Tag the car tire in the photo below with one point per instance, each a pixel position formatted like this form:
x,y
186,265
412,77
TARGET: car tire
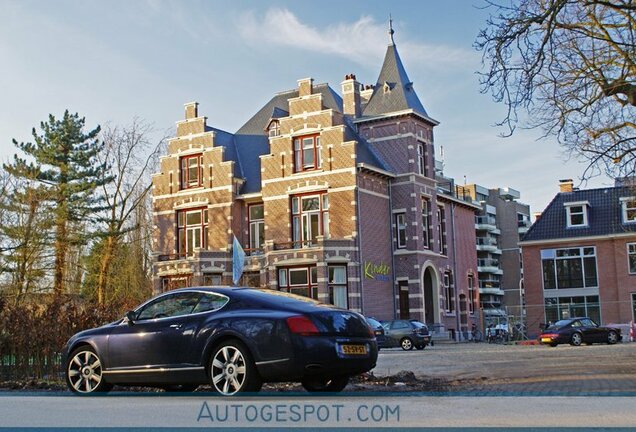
x,y
322,384
576,339
612,337
406,344
180,388
553,345
231,369
420,347
83,372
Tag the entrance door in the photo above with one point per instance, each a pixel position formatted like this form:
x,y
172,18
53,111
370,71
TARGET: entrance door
x,y
429,310
405,312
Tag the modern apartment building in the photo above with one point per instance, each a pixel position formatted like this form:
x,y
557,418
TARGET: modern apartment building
x,y
500,224
580,256
333,197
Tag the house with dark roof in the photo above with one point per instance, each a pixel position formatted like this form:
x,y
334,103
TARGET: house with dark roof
x,y
333,196
579,257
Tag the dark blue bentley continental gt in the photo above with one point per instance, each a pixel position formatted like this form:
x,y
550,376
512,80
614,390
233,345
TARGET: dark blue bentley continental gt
x,y
232,338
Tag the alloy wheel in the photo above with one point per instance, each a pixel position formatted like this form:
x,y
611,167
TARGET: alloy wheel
x,y
406,344
85,372
576,339
228,370
612,337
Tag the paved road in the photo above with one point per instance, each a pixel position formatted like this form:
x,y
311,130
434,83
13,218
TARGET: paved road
x,y
490,367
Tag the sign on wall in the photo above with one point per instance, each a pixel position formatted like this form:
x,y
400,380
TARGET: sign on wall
x,y
375,271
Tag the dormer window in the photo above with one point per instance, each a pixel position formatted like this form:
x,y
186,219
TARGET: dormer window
x,y
274,129
629,209
576,214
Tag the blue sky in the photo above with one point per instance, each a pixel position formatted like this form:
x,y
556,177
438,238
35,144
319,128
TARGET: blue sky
x,y
115,60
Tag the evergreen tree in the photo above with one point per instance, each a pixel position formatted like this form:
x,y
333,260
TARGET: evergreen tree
x,y
64,160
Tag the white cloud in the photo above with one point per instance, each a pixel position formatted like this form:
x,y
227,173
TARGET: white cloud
x,y
362,41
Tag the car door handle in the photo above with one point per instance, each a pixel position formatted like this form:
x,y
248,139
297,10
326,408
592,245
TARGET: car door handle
x,y
175,326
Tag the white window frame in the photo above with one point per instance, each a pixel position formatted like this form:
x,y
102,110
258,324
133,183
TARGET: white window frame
x,y
421,159
400,227
629,246
624,202
568,213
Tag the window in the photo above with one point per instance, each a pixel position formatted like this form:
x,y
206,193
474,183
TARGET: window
x,y
257,226
421,159
631,257
400,230
299,280
310,219
427,235
338,286
471,293
168,283
274,129
212,280
307,153
441,228
209,302
191,171
569,268
557,308
576,215
192,230
169,306
629,209
449,291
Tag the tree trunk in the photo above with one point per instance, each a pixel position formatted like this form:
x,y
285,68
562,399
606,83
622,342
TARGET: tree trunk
x,y
104,267
60,256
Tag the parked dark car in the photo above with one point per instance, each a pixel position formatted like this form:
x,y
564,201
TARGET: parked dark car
x,y
576,331
406,334
378,330
232,338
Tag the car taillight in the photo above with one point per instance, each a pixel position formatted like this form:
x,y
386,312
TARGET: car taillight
x,y
372,332
302,325
550,335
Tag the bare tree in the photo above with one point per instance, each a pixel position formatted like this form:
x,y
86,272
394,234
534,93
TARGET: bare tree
x,y
131,155
571,66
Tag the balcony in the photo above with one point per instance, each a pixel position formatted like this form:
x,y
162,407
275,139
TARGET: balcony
x,y
486,223
489,266
491,291
523,226
488,244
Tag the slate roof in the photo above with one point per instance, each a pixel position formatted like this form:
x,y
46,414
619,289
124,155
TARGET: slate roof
x,y
400,95
251,140
226,140
605,215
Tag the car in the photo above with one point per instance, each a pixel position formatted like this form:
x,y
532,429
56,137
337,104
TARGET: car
x,y
576,331
406,334
234,339
378,330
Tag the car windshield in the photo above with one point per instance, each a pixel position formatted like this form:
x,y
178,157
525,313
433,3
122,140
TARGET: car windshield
x,y
559,324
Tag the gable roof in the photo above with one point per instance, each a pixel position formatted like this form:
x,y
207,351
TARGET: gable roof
x,y
393,91
605,215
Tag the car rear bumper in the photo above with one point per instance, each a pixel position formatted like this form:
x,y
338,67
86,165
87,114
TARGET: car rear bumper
x,y
321,355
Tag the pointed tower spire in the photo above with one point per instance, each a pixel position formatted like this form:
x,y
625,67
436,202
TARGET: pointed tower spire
x,y
391,32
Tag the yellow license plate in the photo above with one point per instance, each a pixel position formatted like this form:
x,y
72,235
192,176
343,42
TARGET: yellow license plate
x,y
546,340
354,349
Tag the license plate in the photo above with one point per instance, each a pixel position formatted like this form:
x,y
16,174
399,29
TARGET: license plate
x,y
546,340
354,349
378,333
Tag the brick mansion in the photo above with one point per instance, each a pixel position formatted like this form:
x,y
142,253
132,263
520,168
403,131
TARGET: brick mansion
x,y
333,195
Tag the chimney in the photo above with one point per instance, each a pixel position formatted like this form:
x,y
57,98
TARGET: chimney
x,y
191,110
537,216
566,185
305,86
351,96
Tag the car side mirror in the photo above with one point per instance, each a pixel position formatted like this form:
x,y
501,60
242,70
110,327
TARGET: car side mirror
x,y
130,316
